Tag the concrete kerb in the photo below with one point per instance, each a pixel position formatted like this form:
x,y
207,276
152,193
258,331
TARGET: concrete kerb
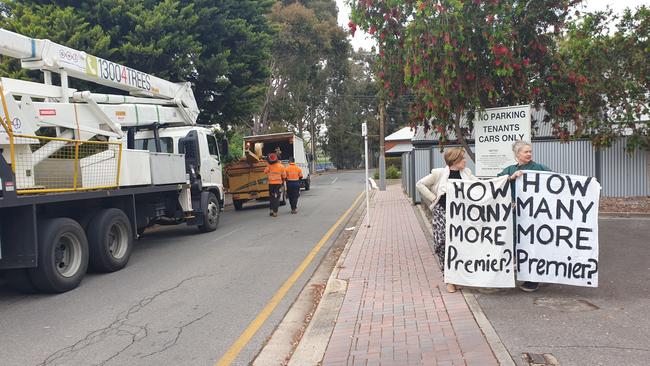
x,y
312,346
623,215
498,349
281,346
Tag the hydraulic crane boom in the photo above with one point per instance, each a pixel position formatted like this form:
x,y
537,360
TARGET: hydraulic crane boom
x,y
43,54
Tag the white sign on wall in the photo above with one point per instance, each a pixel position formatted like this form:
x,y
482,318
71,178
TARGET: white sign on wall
x,y
479,248
557,228
496,129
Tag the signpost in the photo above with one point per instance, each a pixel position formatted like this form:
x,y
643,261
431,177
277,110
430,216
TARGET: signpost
x,y
496,129
364,133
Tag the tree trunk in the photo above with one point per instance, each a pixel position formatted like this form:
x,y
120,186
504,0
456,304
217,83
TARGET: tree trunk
x,y
313,148
262,121
461,137
382,157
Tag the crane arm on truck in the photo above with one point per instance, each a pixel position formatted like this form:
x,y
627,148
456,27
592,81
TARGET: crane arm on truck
x,y
40,121
43,54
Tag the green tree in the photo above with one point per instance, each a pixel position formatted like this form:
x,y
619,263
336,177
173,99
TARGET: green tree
x,y
309,65
355,102
609,54
301,49
220,46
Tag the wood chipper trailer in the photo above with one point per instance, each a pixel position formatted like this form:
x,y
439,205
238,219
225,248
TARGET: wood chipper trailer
x,y
246,179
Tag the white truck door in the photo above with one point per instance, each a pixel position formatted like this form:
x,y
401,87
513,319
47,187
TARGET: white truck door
x,y
210,164
301,157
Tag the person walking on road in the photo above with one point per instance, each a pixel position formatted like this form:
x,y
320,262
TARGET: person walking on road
x,y
294,175
524,155
433,188
276,176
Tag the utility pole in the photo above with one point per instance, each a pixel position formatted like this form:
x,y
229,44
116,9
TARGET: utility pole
x,y
364,132
382,158
313,149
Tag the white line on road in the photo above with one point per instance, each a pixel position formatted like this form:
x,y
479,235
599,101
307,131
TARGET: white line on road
x,y
334,181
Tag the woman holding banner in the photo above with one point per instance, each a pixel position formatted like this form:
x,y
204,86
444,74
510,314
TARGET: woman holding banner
x,y
433,188
524,155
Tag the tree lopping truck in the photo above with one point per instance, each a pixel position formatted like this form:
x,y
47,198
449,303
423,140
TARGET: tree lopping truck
x,y
83,174
246,179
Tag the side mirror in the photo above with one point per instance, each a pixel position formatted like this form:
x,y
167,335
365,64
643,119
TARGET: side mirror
x,y
189,145
224,148
310,157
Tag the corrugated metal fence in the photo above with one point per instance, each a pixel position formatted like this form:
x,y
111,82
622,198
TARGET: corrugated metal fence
x,y
620,174
422,167
407,177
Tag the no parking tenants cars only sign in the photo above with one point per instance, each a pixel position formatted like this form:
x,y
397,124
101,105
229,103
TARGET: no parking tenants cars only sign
x,y
496,129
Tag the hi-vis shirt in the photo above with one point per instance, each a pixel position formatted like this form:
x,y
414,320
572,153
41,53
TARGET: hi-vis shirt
x,y
293,172
276,173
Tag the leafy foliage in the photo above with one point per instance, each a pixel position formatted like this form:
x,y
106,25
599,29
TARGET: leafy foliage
x,y
220,46
615,98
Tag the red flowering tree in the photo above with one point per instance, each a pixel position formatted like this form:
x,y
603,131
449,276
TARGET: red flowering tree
x,y
459,56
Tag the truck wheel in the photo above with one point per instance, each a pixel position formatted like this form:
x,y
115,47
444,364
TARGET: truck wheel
x,y
239,204
307,183
110,240
62,255
210,214
19,280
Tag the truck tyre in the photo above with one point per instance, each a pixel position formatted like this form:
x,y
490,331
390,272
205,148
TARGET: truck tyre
x,y
19,280
307,183
239,204
62,255
211,213
110,240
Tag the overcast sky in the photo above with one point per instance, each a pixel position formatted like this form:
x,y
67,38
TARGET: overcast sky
x,y
361,40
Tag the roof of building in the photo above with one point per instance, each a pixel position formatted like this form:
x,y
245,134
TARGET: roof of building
x,y
399,149
405,133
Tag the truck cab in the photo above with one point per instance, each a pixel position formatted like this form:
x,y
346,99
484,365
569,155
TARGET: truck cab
x,y
209,155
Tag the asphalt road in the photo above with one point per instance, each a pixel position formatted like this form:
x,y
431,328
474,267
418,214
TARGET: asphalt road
x,y
608,325
185,297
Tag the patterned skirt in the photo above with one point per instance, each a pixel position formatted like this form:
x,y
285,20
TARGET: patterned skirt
x,y
438,223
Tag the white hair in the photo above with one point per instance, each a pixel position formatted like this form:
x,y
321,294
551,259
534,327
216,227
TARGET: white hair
x,y
518,145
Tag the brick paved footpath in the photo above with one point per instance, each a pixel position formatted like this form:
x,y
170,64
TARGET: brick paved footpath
x,y
396,310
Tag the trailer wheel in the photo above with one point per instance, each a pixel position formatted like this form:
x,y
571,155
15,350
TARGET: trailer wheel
x,y
19,280
210,214
63,255
110,240
239,204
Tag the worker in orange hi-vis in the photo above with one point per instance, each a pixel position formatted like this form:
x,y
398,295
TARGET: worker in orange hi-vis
x,y
276,176
294,175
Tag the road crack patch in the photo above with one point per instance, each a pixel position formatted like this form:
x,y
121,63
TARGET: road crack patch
x,y
123,332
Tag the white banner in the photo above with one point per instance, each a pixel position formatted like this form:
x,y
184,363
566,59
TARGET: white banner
x,y
479,233
495,130
557,228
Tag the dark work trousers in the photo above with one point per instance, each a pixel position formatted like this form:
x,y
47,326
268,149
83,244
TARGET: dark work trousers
x,y
274,196
293,191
